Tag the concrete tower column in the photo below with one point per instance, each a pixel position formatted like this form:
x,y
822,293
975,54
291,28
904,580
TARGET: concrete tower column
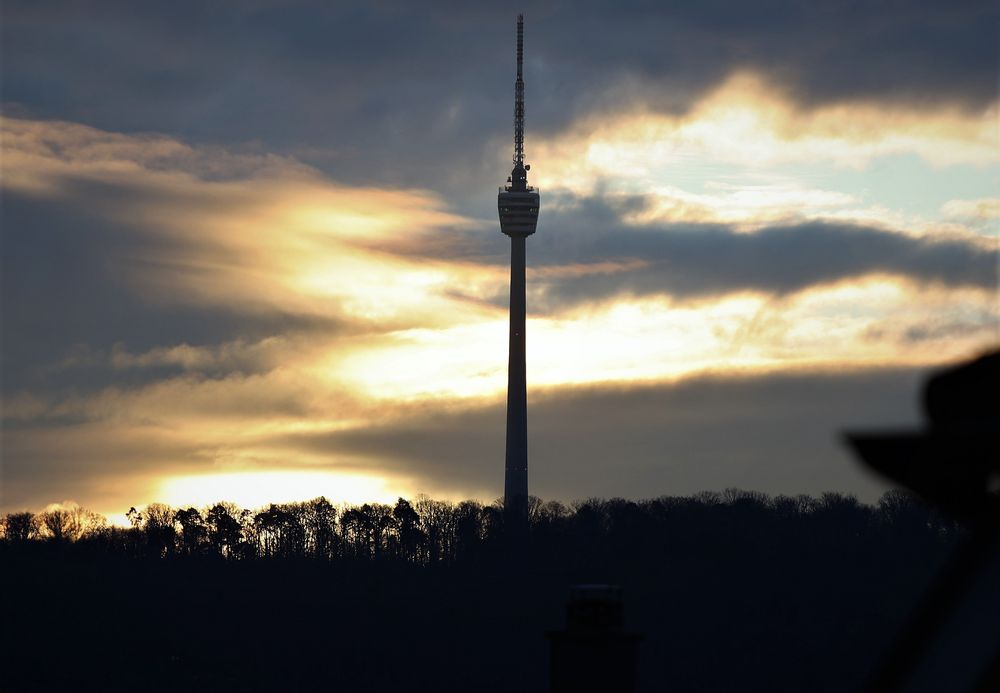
x,y
517,204
516,474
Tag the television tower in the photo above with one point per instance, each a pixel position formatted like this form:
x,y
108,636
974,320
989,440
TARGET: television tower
x,y
517,204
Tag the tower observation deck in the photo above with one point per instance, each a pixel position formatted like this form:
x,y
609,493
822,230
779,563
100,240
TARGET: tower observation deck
x,y
517,204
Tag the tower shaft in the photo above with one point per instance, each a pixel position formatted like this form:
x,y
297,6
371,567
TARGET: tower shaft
x,y
516,469
517,204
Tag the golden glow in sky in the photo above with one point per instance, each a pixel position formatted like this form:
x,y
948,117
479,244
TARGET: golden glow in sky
x,y
258,489
380,332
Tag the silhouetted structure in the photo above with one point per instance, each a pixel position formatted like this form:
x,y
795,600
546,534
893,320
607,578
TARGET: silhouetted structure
x,y
517,204
593,653
951,465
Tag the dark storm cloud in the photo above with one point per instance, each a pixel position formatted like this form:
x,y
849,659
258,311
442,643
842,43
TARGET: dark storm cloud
x,y
685,261
424,87
776,433
688,260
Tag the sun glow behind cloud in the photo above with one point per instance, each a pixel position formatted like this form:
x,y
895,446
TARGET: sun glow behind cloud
x,y
746,154
634,340
257,489
387,332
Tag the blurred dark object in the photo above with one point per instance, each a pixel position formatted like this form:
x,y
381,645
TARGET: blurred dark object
x,y
593,653
966,399
954,465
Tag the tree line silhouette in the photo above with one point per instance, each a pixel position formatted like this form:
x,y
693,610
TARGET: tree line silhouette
x,y
732,591
427,531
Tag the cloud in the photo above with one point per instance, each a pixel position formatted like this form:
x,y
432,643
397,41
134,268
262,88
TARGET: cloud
x,y
134,260
234,356
777,432
938,328
99,464
773,431
697,260
173,310
986,208
749,125
692,261
376,92
115,445
150,243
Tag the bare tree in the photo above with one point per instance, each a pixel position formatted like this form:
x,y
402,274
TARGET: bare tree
x,y
60,524
20,527
437,524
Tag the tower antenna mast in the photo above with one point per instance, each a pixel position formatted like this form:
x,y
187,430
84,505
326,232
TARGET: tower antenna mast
x,y
517,204
519,96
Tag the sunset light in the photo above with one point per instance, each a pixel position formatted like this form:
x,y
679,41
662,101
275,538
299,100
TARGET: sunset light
x,y
252,303
599,347
258,489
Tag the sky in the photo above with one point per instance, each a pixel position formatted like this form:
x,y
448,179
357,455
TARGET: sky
x,y
250,250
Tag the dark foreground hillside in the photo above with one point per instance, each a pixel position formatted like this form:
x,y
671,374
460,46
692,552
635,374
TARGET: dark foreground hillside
x,y
732,592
